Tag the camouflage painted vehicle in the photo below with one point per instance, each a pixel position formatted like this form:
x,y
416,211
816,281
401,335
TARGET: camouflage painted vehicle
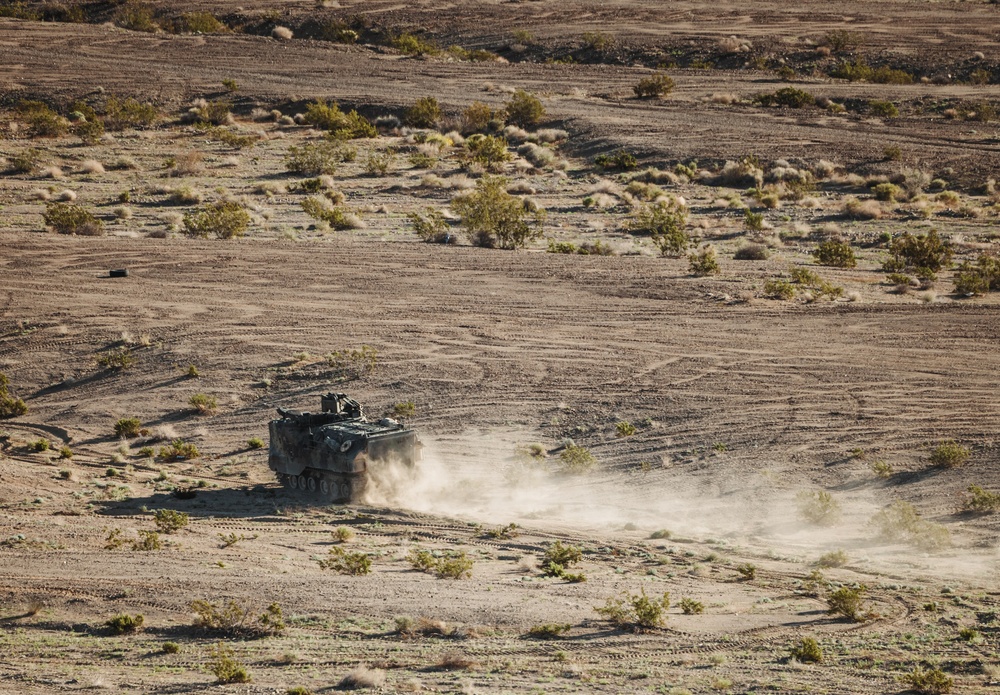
x,y
328,453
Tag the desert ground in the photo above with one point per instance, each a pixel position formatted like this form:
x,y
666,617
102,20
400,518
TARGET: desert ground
x,y
811,419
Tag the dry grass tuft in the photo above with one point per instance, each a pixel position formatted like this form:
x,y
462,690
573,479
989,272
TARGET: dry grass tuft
x,y
282,33
362,677
453,661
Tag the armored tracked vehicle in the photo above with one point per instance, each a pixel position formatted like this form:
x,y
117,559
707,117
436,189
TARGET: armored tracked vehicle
x,y
328,453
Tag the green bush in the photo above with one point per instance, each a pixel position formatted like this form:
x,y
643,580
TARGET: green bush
x,y
887,192
882,109
255,443
347,126
425,113
978,278
922,251
316,158
203,403
704,262
787,96
431,226
980,500
120,114
353,363
949,454
928,682
146,542
169,520
225,220
834,558
807,651
620,160
235,620
747,571
664,221
656,85
404,409
89,131
479,117
637,612
335,216
487,150
124,624
170,648
493,218
9,405
117,359
26,161
342,534
178,450
66,218
563,555
455,567
549,630
225,667
848,602
40,445
576,459
42,121
900,522
524,109
409,44
779,288
346,562
128,427
818,508
691,607
837,254
198,23
753,252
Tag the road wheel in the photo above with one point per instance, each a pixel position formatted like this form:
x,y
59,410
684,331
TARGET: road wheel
x,y
311,484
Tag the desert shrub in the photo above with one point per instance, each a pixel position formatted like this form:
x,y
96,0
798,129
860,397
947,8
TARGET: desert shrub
x,y
691,607
636,612
342,534
807,651
128,427
664,221
9,405
563,555
431,226
625,428
316,158
404,409
64,451
203,403
42,121
333,215
488,150
147,541
67,218
25,161
255,443
837,254
928,681
493,218
900,522
980,500
348,126
882,469
198,23
978,278
576,459
169,520
235,620
704,262
949,454
479,117
887,192
524,109
454,567
928,251
224,220
379,163
549,630
135,16
747,571
503,532
124,623
753,221
882,109
620,160
353,363
421,560
117,359
345,562
39,445
409,44
656,85
424,113
170,648
178,450
225,667
217,112
848,602
120,114
89,131
818,508
779,288
751,252
233,138
786,96
834,558
338,32
361,677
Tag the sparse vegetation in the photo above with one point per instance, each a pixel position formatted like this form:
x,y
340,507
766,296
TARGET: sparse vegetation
x,y
656,85
949,454
834,558
117,359
203,403
927,252
225,667
807,651
837,254
786,96
352,563
342,534
704,262
233,619
424,113
66,218
576,459
900,522
10,406
928,681
318,158
178,450
404,409
223,220
980,500
493,218
549,630
169,520
747,571
353,363
664,221
128,428
125,624
818,507
524,109
255,443
691,607
848,602
636,612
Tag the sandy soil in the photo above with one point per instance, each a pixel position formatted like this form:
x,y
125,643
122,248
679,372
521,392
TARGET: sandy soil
x,y
740,403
